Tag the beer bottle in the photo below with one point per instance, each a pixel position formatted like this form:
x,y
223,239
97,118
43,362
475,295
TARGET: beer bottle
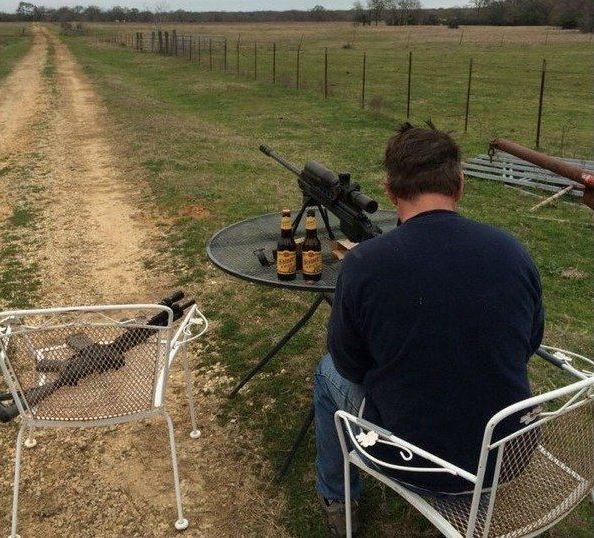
x,y
286,250
312,249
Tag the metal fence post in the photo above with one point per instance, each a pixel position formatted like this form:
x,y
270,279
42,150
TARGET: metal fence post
x,y
274,63
255,60
297,74
199,50
210,53
326,73
468,96
225,55
540,101
409,85
364,80
238,44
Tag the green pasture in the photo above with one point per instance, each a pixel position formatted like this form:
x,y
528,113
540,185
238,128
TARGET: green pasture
x,y
194,133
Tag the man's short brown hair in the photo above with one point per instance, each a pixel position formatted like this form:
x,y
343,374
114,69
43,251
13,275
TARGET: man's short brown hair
x,y
420,160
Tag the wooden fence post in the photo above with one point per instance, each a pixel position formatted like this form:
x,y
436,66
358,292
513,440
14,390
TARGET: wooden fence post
x,y
160,42
166,42
190,48
174,42
468,96
152,41
540,101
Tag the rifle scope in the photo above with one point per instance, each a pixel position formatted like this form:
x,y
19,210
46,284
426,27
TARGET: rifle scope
x,y
351,190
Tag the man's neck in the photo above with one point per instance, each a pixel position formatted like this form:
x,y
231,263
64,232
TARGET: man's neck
x,y
422,203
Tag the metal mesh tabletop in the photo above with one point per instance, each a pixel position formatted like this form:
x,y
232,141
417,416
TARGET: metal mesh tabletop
x,y
233,250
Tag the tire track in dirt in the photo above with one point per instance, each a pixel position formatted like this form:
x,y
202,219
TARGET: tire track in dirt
x,y
94,247
21,101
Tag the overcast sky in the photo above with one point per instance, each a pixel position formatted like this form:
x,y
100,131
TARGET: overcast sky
x,y
9,6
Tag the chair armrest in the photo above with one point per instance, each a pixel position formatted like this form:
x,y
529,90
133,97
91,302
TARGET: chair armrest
x,y
565,360
383,436
192,327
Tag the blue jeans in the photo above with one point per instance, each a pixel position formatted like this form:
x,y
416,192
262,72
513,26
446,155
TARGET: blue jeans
x,y
333,392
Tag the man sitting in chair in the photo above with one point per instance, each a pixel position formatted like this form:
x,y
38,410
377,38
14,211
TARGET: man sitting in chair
x,y
431,328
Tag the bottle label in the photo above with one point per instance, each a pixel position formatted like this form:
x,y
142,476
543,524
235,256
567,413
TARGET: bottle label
x,y
286,223
286,262
312,262
310,223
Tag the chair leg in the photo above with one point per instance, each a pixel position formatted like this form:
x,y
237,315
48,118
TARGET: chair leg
x,y
181,522
30,441
195,433
347,498
17,478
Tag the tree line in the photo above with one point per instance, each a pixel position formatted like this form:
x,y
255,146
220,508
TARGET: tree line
x,y
563,13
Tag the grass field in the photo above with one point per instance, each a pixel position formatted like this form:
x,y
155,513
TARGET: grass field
x,y
194,135
504,88
13,44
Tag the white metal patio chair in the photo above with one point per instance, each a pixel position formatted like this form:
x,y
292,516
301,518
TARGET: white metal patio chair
x,y
81,367
535,483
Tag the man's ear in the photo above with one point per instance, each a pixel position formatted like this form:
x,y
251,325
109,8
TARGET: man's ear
x,y
460,192
389,193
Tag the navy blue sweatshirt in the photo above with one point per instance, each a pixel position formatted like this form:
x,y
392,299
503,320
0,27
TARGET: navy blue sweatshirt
x,y
437,319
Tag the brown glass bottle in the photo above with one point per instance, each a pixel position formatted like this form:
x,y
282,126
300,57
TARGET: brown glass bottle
x,y
312,249
286,250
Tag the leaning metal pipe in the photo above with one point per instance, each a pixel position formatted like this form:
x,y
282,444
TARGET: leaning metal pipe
x,y
584,177
562,168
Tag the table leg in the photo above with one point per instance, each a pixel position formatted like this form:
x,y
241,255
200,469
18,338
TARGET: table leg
x,y
296,444
321,297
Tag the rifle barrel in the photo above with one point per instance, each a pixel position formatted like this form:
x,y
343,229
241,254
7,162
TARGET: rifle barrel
x,y
267,150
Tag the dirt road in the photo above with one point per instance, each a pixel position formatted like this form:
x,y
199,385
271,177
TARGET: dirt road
x,y
89,238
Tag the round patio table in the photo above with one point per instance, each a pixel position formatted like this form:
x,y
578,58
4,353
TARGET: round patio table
x,y
235,249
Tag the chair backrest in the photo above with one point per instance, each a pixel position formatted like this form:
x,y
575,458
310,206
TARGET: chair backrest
x,y
543,470
524,483
86,364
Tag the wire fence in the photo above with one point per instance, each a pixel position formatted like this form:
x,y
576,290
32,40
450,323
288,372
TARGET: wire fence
x,y
486,94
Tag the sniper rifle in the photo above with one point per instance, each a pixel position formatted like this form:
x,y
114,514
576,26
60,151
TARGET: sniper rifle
x,y
336,193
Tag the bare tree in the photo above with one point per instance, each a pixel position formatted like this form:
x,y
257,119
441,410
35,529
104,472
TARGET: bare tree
x,y
479,4
376,8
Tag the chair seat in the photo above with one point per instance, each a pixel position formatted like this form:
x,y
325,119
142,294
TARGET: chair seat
x,y
519,503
